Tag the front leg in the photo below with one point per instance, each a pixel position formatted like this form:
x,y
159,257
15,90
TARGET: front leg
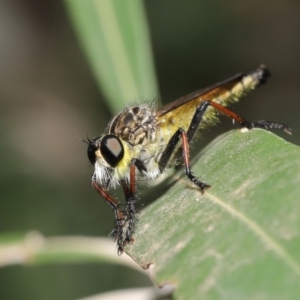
x,y
117,233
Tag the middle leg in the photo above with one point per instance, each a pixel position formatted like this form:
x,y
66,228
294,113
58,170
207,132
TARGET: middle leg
x,y
131,198
185,138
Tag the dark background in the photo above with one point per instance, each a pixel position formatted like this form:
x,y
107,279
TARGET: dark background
x,y
47,94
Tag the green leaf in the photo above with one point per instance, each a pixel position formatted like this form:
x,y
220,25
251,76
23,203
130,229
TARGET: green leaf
x,y
240,240
115,37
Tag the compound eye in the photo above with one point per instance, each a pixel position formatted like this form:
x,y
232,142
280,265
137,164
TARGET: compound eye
x,y
112,150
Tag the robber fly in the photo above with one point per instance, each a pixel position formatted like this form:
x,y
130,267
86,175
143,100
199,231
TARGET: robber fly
x,y
141,142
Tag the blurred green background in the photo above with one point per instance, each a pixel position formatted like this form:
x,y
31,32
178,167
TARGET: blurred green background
x,y
48,93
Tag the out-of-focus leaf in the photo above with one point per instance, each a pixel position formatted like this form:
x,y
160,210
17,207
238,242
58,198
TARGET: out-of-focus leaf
x,y
32,248
115,37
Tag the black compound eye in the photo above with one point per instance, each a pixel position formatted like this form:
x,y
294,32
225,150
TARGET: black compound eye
x,y
112,150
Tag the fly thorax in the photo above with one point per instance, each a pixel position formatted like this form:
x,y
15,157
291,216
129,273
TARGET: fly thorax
x,y
135,125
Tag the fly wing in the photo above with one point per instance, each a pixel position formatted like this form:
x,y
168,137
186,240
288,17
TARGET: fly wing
x,y
180,112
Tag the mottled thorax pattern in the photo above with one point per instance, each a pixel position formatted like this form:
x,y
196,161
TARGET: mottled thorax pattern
x,y
136,125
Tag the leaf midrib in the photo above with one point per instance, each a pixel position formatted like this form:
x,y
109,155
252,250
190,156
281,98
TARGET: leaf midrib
x,y
258,231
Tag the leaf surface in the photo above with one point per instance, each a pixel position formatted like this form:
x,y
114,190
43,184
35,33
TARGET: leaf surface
x,y
240,240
